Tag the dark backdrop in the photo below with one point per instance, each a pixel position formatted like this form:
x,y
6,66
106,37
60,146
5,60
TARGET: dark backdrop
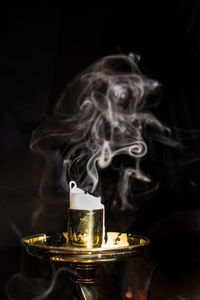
x,y
44,44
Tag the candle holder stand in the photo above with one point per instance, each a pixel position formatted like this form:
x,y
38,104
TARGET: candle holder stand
x,y
55,247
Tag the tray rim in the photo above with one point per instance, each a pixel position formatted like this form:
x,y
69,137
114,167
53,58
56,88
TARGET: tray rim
x,y
82,250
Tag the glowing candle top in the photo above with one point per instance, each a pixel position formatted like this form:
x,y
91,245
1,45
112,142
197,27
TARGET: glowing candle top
x,y
79,199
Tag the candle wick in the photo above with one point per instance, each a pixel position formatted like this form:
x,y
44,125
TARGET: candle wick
x,y
72,185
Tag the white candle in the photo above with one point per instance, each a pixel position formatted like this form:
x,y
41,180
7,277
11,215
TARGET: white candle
x,y
81,200
86,219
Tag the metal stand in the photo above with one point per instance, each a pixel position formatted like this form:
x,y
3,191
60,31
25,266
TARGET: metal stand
x,y
55,247
86,281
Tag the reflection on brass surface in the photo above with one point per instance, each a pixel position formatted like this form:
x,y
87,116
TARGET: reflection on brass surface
x,y
85,228
56,247
87,273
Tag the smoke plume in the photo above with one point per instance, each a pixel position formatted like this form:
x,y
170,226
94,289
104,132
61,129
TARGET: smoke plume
x,y
109,121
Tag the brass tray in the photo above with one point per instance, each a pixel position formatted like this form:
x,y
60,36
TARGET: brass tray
x,y
55,247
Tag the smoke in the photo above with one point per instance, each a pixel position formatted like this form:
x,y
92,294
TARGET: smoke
x,y
36,288
110,120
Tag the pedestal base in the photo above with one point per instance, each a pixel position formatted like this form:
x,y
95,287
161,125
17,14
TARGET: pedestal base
x,y
55,247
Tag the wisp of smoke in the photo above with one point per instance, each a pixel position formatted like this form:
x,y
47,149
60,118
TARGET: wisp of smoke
x,y
34,288
110,117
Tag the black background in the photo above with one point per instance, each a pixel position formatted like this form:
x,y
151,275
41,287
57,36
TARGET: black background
x,y
43,46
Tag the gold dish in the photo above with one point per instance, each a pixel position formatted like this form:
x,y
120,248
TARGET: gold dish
x,y
55,247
